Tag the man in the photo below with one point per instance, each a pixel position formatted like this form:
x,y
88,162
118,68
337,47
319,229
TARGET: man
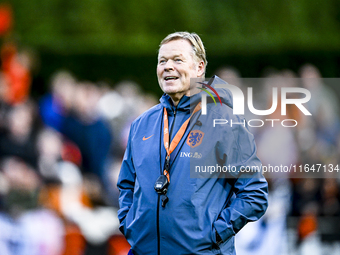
x,y
162,209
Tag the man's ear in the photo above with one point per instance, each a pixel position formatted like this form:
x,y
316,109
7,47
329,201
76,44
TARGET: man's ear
x,y
200,69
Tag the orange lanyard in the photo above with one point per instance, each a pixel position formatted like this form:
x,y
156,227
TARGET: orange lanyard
x,y
176,140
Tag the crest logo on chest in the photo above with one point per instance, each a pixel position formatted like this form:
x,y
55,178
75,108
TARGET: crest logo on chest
x,y
195,138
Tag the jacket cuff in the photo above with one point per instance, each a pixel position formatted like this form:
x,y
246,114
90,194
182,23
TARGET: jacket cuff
x,y
225,233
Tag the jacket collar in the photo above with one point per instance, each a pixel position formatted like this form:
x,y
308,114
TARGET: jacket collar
x,y
183,105
188,103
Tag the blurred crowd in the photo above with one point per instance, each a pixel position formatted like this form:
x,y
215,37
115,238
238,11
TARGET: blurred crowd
x,y
60,157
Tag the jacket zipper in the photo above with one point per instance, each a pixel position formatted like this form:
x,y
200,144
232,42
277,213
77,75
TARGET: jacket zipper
x,y
173,124
159,196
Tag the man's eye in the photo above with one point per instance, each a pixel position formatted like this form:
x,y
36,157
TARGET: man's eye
x,y
178,60
162,61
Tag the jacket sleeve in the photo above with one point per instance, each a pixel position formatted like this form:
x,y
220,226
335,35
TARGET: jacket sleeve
x,y
126,183
250,189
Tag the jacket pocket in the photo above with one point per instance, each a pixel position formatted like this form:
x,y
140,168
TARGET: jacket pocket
x,y
129,219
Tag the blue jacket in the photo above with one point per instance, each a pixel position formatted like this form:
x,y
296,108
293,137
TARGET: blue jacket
x,y
197,207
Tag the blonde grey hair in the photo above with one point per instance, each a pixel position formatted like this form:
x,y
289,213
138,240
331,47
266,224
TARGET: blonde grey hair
x,y
195,41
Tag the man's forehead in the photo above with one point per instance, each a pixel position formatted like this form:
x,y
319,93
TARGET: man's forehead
x,y
175,48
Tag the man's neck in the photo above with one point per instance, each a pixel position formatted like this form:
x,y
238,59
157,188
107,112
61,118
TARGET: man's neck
x,y
175,100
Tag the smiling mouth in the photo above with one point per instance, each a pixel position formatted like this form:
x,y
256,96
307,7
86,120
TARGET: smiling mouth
x,y
170,78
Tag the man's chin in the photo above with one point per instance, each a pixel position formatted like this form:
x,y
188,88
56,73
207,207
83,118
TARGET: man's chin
x,y
170,90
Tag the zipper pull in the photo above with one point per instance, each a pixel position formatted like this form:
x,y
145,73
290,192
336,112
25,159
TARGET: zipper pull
x,y
165,199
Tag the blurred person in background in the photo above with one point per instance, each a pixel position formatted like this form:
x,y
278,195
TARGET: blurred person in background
x,y
72,109
324,107
309,240
16,68
90,225
6,19
4,106
26,228
276,143
89,131
330,197
53,148
55,106
135,103
20,135
232,76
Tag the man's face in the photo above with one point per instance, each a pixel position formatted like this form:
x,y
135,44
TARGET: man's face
x,y
176,65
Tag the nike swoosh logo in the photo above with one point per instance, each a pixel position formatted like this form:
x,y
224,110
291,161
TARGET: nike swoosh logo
x,y
146,138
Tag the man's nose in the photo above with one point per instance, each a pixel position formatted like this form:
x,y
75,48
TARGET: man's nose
x,y
169,66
